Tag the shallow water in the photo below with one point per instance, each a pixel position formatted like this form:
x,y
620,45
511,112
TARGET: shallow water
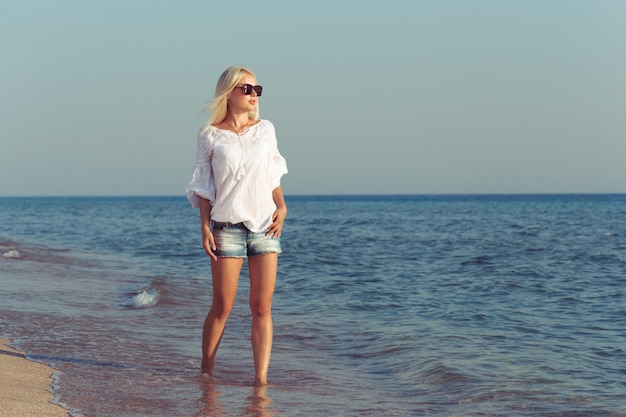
x,y
385,305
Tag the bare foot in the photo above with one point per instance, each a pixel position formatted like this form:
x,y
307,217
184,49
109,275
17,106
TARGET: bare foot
x,y
206,371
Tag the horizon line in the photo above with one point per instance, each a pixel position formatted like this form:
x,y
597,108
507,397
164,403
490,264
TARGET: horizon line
x,y
328,195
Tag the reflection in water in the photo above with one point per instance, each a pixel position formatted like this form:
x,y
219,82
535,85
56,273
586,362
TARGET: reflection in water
x,y
210,404
258,404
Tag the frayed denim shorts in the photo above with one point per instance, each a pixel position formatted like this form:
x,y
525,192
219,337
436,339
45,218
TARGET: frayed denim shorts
x,y
237,241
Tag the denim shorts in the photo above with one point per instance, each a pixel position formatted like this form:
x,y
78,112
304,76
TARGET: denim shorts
x,y
237,241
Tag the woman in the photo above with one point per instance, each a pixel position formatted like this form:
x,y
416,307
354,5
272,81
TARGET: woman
x,y
236,185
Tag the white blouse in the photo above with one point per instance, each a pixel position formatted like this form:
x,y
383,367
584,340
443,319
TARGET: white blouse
x,y
237,173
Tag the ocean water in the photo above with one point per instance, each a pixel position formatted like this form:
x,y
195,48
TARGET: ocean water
x,y
504,305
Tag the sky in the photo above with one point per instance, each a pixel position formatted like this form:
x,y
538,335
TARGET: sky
x,y
105,97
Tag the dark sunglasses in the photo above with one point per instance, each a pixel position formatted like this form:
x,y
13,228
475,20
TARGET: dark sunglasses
x,y
247,89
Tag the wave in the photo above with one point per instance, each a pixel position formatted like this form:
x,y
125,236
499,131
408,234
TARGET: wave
x,y
144,299
150,294
41,253
11,253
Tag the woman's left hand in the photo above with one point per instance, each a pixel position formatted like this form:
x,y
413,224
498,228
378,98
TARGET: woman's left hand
x,y
278,219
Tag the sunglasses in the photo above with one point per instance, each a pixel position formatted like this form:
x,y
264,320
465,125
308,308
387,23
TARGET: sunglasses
x,y
247,89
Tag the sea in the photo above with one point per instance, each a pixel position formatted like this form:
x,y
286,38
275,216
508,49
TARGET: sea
x,y
385,305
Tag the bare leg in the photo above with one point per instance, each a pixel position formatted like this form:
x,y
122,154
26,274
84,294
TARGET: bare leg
x,y
262,282
225,274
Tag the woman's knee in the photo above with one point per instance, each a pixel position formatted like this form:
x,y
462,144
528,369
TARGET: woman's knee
x,y
260,307
221,310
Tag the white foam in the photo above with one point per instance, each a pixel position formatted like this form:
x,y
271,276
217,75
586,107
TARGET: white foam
x,y
13,253
144,299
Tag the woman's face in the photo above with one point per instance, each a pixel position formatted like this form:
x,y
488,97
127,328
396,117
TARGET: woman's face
x,y
240,102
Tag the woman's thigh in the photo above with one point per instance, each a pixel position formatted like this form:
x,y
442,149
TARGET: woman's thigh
x,y
263,271
225,276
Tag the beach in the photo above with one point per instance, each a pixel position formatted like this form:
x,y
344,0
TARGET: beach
x,y
445,306
24,386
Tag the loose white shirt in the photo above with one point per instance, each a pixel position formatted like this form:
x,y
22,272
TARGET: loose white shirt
x,y
237,173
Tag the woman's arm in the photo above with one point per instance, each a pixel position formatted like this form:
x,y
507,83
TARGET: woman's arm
x,y
205,223
278,218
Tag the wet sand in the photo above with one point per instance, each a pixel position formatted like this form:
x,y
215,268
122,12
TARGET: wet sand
x,y
24,386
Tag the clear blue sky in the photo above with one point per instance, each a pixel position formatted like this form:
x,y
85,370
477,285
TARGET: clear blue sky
x,y
104,97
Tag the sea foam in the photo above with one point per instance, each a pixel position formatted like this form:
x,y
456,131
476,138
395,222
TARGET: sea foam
x,y
13,253
144,299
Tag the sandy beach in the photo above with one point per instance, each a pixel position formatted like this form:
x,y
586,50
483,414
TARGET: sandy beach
x,y
24,386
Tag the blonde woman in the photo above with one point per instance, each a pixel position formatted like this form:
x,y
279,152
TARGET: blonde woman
x,y
236,185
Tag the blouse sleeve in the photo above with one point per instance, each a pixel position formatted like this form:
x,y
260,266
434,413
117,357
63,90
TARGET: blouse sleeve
x,y
277,164
202,183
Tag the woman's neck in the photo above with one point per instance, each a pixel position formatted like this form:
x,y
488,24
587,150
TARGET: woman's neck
x,y
237,122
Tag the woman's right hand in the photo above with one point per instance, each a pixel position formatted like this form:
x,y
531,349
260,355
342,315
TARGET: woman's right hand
x,y
208,243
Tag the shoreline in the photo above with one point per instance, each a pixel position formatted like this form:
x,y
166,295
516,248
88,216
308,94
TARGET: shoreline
x,y
25,386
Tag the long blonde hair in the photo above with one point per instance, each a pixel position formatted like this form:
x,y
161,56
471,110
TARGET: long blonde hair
x,y
219,105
